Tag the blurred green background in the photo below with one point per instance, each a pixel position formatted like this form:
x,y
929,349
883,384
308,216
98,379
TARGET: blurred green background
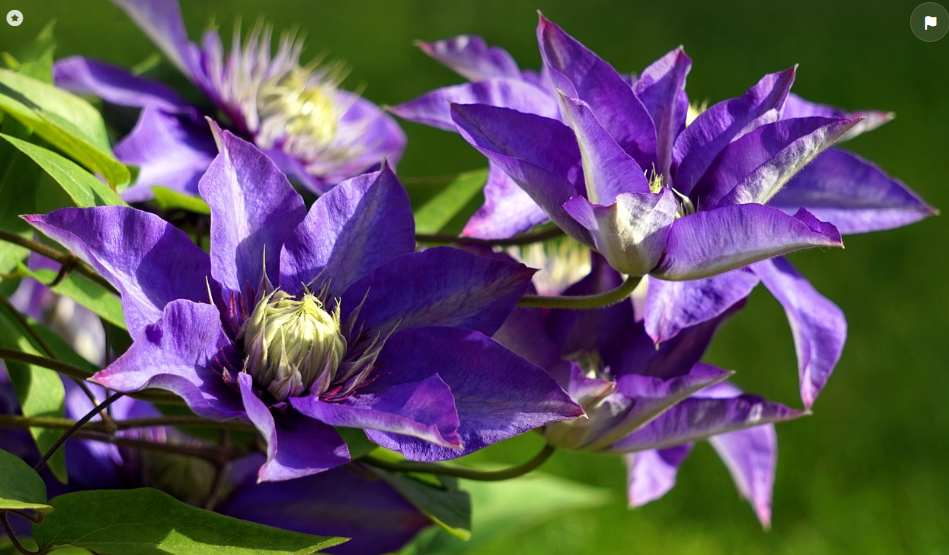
x,y
869,471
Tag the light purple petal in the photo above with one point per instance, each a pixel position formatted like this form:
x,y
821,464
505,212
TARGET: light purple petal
x,y
751,457
507,210
818,325
797,107
355,228
253,211
148,260
470,57
674,306
852,193
170,150
715,241
297,445
425,410
161,20
434,108
701,141
441,286
115,84
581,74
652,473
497,393
181,352
661,89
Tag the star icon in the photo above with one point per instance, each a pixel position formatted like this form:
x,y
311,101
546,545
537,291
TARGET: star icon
x,y
14,18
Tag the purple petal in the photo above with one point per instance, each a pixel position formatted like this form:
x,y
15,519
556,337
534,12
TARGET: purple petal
x,y
425,410
711,132
652,473
253,211
852,193
631,233
715,241
581,74
434,108
114,84
355,228
524,334
497,393
507,210
673,306
539,154
297,445
441,286
161,21
661,89
797,107
182,353
148,260
818,325
751,457
170,150
470,57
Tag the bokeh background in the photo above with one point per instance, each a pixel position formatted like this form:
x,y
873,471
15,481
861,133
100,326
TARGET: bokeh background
x,y
869,471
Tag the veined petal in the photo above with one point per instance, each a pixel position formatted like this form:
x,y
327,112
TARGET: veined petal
x,y
253,211
701,141
434,108
715,241
632,233
115,84
852,193
497,393
149,261
359,225
652,473
297,446
181,352
661,89
440,286
818,325
161,20
507,210
797,107
581,74
470,57
425,410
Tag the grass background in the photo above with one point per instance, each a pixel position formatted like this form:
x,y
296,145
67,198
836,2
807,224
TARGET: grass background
x,y
868,472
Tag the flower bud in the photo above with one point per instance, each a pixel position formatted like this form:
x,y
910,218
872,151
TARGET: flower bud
x,y
289,344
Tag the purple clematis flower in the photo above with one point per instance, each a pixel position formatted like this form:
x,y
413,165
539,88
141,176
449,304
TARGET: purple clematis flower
x,y
318,133
300,321
645,403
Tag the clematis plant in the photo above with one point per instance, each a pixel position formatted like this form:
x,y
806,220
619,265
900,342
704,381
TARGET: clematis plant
x,y
317,133
300,321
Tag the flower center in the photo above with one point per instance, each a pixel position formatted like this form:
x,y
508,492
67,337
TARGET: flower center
x,y
290,344
300,104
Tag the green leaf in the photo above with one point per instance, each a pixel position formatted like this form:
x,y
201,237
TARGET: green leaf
x,y
20,486
149,522
168,199
443,504
65,120
18,178
81,186
84,291
435,214
35,58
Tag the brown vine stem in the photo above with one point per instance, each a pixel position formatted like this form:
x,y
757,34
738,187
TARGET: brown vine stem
x,y
75,428
62,258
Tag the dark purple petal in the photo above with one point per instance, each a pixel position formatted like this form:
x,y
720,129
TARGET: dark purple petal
x,y
581,74
524,334
852,193
797,107
148,260
661,89
715,241
818,325
507,210
652,473
170,150
540,154
701,141
161,21
114,84
341,503
182,352
673,306
297,445
441,286
470,57
355,228
434,108
497,393
425,410
253,211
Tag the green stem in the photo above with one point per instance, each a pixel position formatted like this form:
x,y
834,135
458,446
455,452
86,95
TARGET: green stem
x,y
12,536
584,302
62,258
522,239
75,428
466,473
14,421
